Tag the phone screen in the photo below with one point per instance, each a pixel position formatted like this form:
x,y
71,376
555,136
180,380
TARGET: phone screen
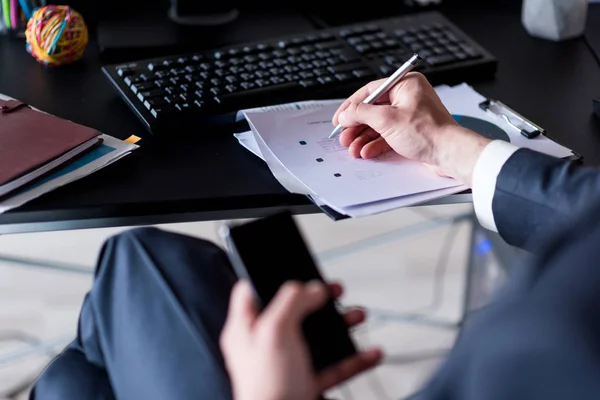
x,y
269,252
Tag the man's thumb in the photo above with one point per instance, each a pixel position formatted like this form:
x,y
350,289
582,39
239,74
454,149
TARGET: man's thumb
x,y
375,116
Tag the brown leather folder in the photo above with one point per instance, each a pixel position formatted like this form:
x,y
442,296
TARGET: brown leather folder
x,y
33,142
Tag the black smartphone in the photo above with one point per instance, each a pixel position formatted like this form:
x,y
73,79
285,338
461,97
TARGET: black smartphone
x,y
271,251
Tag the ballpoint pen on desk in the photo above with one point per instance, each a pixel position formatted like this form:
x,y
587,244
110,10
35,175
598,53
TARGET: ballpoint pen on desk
x,y
385,86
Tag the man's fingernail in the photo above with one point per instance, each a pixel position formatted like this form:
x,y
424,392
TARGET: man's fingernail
x,y
315,286
342,117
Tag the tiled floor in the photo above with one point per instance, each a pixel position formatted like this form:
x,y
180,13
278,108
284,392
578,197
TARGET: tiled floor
x,y
395,276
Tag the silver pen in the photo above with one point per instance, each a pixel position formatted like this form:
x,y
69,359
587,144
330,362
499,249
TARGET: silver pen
x,y
385,86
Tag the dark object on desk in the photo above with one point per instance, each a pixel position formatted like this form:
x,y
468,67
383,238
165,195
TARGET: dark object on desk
x,y
33,143
203,13
210,87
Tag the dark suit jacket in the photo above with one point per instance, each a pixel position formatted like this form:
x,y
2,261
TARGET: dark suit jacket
x,y
540,338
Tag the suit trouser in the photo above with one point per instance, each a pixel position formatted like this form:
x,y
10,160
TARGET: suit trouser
x,y
149,327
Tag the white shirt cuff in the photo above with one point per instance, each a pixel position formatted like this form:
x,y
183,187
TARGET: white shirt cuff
x,y
487,168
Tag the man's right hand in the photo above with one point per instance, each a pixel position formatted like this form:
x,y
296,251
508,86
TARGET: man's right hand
x,y
411,120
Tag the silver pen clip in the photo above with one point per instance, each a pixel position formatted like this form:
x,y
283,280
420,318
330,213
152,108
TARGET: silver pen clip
x,y
521,124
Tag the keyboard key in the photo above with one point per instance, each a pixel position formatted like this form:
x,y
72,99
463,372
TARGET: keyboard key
x,y
306,74
182,106
155,67
291,77
327,45
162,111
362,73
376,46
344,76
262,74
369,38
307,83
345,67
362,48
137,87
460,56
347,55
390,43
133,79
125,71
154,102
260,94
276,80
145,94
440,59
247,85
354,41
323,80
262,82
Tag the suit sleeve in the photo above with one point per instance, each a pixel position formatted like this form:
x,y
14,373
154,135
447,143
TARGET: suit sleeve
x,y
524,195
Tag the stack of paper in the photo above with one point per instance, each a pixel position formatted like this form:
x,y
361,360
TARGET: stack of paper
x,y
108,151
292,140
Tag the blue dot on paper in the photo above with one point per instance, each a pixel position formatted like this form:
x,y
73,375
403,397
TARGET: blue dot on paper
x,y
337,174
302,142
319,160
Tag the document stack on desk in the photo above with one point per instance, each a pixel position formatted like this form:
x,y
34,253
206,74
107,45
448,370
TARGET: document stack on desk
x,y
40,152
293,140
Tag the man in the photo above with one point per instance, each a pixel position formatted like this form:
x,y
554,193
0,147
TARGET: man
x,y
166,319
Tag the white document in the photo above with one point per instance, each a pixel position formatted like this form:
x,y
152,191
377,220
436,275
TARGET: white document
x,y
247,140
299,141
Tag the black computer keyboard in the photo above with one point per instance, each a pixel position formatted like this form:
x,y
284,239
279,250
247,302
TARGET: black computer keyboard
x,y
211,86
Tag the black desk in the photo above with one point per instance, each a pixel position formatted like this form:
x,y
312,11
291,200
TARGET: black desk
x,y
207,176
